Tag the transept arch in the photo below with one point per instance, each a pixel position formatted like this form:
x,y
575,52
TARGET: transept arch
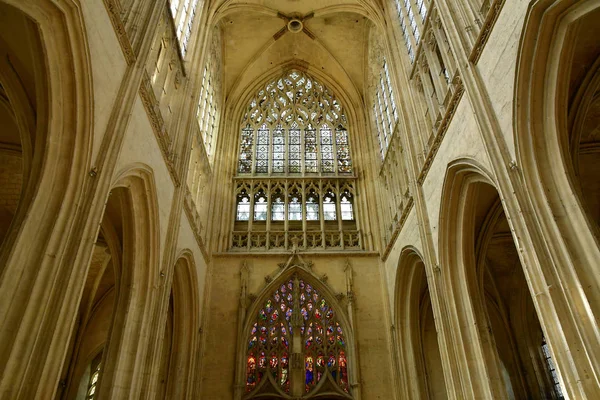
x,y
52,63
555,88
186,310
327,380
135,193
482,274
416,334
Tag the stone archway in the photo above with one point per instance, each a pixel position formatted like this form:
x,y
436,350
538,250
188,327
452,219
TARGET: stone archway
x,y
482,273
305,346
419,351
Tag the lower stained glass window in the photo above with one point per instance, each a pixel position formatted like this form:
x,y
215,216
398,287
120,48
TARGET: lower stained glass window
x,y
296,310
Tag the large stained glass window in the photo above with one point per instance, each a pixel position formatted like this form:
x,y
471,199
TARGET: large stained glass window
x,y
296,312
294,163
298,126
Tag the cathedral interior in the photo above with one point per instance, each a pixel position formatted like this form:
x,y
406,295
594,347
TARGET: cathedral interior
x,y
299,199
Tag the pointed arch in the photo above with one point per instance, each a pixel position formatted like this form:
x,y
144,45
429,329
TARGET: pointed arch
x,y
567,240
478,367
49,217
127,346
328,385
186,312
413,323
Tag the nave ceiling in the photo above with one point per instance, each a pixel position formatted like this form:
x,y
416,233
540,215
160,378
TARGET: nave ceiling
x,y
333,40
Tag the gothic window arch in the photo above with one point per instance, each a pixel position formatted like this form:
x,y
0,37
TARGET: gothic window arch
x,y
296,345
298,126
295,145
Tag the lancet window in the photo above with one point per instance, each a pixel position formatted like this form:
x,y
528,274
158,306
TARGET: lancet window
x,y
183,13
294,184
296,313
384,109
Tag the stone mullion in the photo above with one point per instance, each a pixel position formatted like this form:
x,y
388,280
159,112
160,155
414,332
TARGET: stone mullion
x,y
303,206
251,190
321,212
270,152
338,211
335,153
269,205
286,200
442,43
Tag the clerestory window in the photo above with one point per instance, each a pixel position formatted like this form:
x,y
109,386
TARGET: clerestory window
x,y
207,112
296,312
183,13
407,16
384,109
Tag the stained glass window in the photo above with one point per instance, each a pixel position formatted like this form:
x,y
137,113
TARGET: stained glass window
x,y
292,120
312,205
552,369
295,206
277,206
296,310
245,160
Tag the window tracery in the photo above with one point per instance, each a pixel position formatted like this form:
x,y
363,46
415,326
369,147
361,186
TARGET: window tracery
x,y
296,311
295,146
292,120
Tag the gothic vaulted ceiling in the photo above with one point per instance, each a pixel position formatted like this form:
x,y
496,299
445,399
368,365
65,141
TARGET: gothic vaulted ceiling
x,y
331,37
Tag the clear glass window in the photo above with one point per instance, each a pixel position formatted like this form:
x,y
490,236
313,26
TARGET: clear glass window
x,y
346,207
243,207
329,212
260,206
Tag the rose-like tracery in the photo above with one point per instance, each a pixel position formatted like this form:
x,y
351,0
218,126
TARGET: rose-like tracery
x,y
294,125
296,308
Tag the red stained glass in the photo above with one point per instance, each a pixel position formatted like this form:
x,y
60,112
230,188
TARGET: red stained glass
x,y
321,335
